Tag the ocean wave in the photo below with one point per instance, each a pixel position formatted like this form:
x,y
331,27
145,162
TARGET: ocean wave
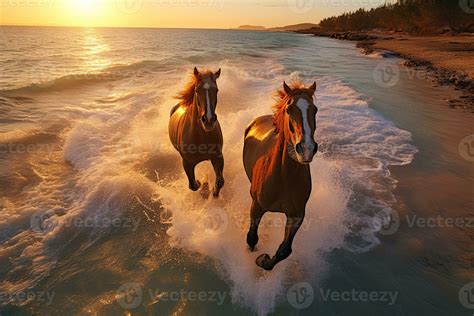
x,y
106,155
113,73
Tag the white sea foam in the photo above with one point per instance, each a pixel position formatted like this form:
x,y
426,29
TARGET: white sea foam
x,y
108,149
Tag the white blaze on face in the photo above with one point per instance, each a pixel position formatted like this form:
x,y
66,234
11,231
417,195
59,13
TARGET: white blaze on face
x,y
206,87
308,143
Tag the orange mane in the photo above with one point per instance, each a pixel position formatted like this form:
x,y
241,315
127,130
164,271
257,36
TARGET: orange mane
x,y
279,108
187,94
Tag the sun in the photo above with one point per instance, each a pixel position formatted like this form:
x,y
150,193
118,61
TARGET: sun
x,y
84,7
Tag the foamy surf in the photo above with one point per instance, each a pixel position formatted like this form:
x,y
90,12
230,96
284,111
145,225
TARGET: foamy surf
x,y
217,228
113,152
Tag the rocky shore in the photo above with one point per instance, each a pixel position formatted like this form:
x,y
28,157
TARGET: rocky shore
x,y
446,59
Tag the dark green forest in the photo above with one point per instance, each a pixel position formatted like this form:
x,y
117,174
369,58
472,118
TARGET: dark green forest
x,y
413,16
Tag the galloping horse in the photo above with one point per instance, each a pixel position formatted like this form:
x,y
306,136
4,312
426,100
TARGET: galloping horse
x,y
277,153
194,129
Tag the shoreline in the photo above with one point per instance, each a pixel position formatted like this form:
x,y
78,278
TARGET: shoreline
x,y
447,59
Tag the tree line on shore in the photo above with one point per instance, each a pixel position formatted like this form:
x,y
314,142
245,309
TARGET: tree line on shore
x,y
414,16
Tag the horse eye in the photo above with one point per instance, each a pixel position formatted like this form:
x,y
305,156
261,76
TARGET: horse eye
x,y
290,125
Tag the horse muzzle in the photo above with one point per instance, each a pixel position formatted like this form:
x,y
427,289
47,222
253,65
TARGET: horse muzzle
x,y
306,152
209,123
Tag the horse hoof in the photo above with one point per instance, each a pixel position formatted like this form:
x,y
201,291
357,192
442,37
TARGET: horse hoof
x,y
195,186
220,183
252,241
263,261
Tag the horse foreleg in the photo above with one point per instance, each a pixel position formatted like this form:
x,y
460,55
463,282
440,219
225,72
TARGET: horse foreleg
x,y
292,225
218,164
189,169
256,213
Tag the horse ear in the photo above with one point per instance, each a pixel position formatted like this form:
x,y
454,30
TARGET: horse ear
x,y
287,89
196,72
313,88
217,74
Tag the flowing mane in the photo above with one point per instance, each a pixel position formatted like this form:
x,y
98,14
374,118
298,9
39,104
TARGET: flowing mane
x,y
279,108
187,94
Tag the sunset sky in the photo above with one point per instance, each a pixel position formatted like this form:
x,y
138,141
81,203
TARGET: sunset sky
x,y
173,13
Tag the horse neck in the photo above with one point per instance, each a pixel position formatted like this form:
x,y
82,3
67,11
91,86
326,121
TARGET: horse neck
x,y
281,163
193,113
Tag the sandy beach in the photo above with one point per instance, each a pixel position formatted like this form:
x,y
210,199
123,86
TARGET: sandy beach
x,y
448,59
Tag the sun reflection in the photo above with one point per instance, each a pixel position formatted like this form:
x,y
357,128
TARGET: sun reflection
x,y
94,50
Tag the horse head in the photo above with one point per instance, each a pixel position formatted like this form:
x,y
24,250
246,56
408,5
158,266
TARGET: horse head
x,y
206,97
300,121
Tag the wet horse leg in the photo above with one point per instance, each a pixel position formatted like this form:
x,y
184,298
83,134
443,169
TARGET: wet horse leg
x,y
189,169
218,164
292,225
256,213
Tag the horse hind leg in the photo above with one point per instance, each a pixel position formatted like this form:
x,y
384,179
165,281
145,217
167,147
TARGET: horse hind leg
x,y
218,164
256,213
284,251
189,169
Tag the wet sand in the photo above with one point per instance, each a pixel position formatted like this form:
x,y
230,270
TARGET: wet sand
x,y
448,58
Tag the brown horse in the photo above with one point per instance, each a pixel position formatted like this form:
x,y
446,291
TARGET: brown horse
x,y
277,153
194,129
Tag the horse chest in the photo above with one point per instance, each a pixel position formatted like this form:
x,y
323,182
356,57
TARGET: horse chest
x,y
283,192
